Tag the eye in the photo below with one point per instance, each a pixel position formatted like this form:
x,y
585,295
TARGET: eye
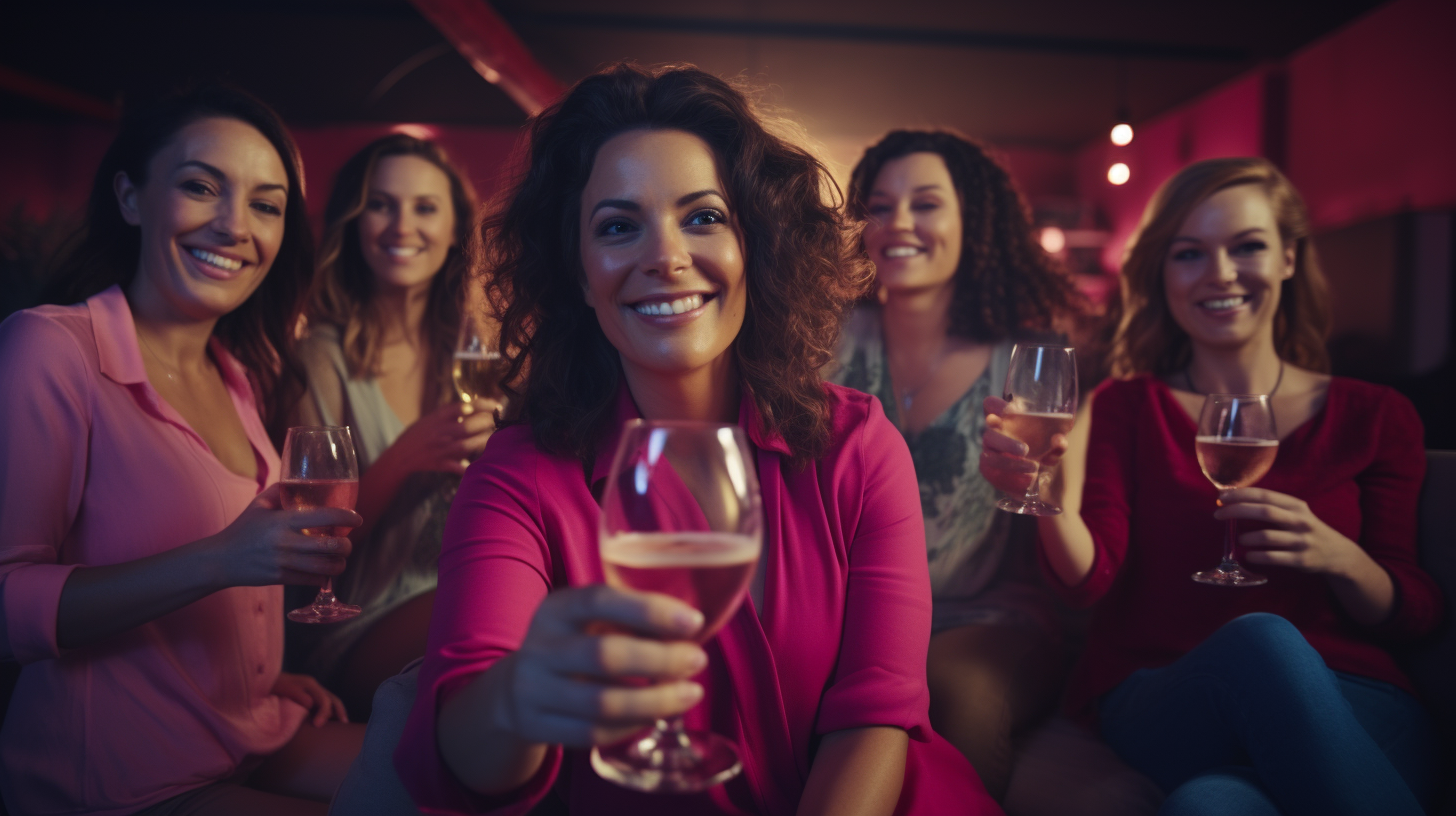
x,y
1187,254
267,207
377,205
1250,248
879,210
196,187
706,218
426,208
615,227
926,205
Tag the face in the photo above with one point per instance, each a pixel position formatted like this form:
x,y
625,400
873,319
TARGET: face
x,y
661,252
914,230
1225,266
408,223
211,218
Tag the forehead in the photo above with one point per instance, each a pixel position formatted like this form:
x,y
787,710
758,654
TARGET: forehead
x,y
410,174
1230,210
231,145
644,164
911,171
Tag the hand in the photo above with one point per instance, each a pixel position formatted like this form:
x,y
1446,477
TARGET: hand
x,y
1003,459
569,687
265,544
310,693
1297,538
447,438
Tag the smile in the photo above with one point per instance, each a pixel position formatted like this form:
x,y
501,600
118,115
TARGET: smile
x,y
1223,304
902,251
673,307
404,252
229,264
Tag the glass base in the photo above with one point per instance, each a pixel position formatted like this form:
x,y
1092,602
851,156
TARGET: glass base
x,y
1229,575
334,612
658,761
1028,507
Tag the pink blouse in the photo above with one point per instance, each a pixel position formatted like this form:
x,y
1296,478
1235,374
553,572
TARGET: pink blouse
x,y
96,469
840,642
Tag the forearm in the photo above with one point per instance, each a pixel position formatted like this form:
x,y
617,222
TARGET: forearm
x,y
479,750
1067,544
1364,589
99,602
857,772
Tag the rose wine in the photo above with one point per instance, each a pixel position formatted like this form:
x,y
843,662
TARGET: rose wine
x,y
1035,430
306,494
478,375
1235,461
708,571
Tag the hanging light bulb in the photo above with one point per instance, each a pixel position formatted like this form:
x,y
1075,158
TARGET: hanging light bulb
x,y
1053,239
1121,134
1118,173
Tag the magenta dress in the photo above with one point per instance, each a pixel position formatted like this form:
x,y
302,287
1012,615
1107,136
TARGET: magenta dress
x,y
839,643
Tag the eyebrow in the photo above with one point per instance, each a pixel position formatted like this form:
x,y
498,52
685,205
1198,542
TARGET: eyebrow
x,y
921,189
625,204
221,176
1199,240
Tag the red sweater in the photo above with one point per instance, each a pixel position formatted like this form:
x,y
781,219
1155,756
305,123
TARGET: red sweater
x,y
1359,465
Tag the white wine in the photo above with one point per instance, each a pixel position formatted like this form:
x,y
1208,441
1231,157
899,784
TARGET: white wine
x,y
479,375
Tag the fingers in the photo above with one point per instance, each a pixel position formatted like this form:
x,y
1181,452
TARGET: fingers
x,y
269,498
994,406
578,712
1258,495
336,517
1267,513
995,441
569,611
482,420
616,655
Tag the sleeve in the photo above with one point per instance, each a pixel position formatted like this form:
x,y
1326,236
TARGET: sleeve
x,y
1390,490
1106,506
44,427
495,569
879,678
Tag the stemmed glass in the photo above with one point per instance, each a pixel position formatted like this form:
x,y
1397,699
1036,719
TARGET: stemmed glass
x,y
478,369
1041,397
681,515
1236,446
320,470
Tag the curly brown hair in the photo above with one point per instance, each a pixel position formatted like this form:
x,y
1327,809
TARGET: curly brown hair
x,y
1004,282
1148,340
343,290
801,265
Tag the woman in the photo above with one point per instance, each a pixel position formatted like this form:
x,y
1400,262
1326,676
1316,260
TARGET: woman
x,y
1275,699
384,314
652,189
141,537
958,274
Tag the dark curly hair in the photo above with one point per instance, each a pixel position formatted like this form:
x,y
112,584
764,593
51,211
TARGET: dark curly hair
x,y
801,265
260,332
1004,282
343,292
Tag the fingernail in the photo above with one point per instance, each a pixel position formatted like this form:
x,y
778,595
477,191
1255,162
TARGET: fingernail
x,y
331,544
691,692
688,620
698,661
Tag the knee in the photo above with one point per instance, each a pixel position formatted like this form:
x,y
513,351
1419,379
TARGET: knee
x,y
1222,792
1268,645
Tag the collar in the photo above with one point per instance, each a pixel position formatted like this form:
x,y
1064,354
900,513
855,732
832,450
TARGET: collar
x,y
120,354
626,410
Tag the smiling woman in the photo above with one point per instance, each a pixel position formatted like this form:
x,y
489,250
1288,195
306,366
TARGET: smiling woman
x,y
141,535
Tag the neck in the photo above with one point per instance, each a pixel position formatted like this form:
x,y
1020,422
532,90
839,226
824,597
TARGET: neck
x,y
178,341
916,322
1249,369
707,394
403,311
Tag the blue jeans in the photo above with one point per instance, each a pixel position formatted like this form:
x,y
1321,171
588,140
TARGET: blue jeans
x,y
1251,721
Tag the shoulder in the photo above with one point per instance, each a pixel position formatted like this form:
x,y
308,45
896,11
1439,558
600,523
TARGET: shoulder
x,y
850,366
860,426
45,339
512,459
1367,404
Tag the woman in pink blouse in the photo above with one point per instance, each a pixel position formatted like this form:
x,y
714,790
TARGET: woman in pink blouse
x,y
664,256
141,540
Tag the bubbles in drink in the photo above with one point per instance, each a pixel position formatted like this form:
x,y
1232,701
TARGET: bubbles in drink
x,y
708,571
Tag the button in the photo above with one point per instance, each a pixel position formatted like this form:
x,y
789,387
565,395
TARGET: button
x,y
260,609
260,668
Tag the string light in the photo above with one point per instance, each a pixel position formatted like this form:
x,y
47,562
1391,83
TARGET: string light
x,y
1118,173
1053,240
1121,134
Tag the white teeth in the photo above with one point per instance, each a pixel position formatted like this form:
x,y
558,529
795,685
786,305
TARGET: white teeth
x,y
901,251
216,260
1222,303
683,304
405,252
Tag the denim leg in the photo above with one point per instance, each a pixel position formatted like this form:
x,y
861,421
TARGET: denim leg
x,y
1400,726
1232,791
1255,693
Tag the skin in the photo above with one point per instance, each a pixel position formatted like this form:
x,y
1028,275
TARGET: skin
x,y
913,208
217,187
1222,275
655,227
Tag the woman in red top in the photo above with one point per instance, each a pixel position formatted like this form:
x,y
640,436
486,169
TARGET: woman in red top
x,y
1278,698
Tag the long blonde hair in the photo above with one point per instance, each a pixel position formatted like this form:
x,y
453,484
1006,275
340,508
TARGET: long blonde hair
x,y
1148,340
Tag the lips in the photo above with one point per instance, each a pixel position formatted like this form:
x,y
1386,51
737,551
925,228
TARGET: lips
x,y
901,251
213,265
668,305
1224,304
404,252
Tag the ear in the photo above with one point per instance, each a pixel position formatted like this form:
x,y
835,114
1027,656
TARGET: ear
x,y
126,198
1289,261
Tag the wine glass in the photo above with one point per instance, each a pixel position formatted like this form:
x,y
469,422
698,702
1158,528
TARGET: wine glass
x,y
479,369
681,515
320,470
1041,400
1236,446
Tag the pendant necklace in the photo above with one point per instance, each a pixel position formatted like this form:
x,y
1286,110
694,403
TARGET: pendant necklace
x,y
166,369
907,398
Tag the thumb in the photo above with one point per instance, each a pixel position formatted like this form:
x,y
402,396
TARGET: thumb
x,y
268,499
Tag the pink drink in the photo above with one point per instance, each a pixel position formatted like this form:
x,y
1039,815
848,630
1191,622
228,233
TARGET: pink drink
x,y
1035,430
1235,461
708,571
306,494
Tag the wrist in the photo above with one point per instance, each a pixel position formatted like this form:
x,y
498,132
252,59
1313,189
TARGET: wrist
x,y
205,560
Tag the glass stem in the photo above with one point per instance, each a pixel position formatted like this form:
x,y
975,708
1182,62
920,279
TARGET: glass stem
x,y
326,593
1229,534
1033,490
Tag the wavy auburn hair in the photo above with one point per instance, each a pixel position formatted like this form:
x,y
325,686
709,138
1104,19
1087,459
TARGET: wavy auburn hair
x,y
1004,281
260,332
1149,340
801,267
343,293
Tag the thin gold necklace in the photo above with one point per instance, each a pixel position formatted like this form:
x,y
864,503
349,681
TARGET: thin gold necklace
x,y
166,369
1188,376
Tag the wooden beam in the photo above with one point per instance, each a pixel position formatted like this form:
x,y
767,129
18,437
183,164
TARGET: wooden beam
x,y
56,96
493,49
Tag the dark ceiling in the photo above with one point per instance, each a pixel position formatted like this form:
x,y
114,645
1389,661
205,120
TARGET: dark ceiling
x,y
1032,72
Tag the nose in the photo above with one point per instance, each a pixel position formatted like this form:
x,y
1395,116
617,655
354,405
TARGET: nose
x,y
231,219
667,252
902,218
1224,268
